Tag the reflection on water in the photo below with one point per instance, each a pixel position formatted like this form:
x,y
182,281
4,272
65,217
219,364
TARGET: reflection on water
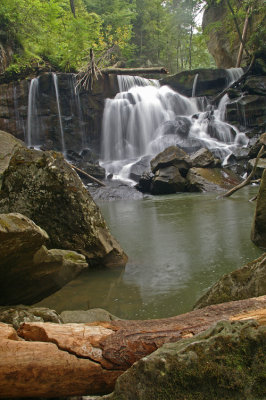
x,y
178,246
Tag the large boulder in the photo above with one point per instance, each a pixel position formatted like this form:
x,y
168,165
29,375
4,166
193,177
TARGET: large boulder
x,y
211,179
248,281
29,271
168,180
203,158
258,232
44,187
225,362
8,145
171,156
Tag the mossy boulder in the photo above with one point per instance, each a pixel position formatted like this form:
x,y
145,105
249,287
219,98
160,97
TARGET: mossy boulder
x,y
44,187
211,179
17,315
226,362
248,281
29,271
8,145
258,231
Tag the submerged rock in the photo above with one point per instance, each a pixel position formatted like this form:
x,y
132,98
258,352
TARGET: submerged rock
x,y
211,179
87,316
248,281
17,315
258,232
29,271
225,362
44,187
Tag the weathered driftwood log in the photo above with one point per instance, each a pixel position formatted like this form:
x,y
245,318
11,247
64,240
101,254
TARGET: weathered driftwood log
x,y
57,360
134,71
92,178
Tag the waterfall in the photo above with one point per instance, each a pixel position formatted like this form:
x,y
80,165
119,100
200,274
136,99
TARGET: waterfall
x,y
233,74
195,85
55,80
33,122
144,118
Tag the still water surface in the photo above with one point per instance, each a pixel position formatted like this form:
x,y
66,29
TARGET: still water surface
x,y
178,245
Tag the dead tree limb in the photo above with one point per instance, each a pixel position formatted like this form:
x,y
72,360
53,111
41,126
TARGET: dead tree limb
x,y
92,178
57,360
134,71
248,179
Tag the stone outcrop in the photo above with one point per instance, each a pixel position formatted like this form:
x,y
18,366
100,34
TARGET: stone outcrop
x,y
248,281
17,315
44,187
81,111
258,232
29,271
223,41
225,362
210,81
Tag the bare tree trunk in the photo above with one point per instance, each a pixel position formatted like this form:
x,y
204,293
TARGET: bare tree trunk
x,y
237,27
190,47
72,6
244,35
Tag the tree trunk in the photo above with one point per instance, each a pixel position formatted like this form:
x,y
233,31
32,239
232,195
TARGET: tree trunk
x,y
237,26
244,35
55,360
130,71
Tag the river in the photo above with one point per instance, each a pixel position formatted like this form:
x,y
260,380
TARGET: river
x,y
178,245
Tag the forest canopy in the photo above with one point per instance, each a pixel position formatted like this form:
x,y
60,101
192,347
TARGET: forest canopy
x,y
136,33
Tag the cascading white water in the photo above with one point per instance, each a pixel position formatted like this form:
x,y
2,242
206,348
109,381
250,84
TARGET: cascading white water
x,y
145,119
195,85
33,123
55,80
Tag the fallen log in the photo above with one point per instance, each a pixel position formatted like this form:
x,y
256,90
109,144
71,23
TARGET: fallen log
x,y
92,178
134,71
53,360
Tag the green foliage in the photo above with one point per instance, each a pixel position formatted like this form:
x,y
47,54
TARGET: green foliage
x,y
145,32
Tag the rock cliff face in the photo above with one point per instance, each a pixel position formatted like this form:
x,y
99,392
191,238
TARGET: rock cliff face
x,y
81,111
223,44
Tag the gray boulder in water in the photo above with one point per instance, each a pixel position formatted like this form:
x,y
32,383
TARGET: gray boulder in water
x,y
29,271
44,187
